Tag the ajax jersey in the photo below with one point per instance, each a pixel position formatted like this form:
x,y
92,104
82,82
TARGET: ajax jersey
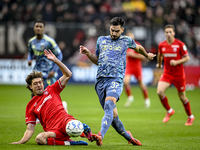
x,y
112,55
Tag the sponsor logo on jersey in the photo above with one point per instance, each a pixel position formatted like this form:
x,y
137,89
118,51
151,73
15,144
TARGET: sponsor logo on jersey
x,y
175,46
44,101
174,49
170,55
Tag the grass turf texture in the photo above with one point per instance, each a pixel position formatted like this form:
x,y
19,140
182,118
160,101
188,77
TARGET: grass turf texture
x,y
145,124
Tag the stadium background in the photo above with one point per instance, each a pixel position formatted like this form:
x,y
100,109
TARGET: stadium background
x,y
75,22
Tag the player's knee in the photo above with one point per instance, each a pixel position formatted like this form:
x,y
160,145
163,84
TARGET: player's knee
x,y
40,140
126,82
109,105
160,93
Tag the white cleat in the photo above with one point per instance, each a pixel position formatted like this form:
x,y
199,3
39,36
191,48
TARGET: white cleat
x,y
147,103
129,100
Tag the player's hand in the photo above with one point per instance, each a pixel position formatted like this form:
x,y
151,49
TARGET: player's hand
x,y
29,62
15,143
173,62
51,74
49,54
158,66
83,50
151,56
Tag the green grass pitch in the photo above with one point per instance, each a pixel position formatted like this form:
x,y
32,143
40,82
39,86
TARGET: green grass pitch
x,y
145,124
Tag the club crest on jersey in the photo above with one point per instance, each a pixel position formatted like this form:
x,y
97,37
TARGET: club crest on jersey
x,y
46,92
174,49
163,49
42,46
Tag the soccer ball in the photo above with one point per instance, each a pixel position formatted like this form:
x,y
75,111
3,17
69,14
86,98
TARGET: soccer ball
x,y
74,128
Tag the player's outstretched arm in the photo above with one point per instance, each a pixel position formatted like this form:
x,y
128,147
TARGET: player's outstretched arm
x,y
27,134
92,57
140,49
159,61
66,72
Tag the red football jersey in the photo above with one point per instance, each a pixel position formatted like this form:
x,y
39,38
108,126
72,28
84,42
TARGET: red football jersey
x,y
48,108
133,64
174,51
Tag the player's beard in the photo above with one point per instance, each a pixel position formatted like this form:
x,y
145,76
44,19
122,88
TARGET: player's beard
x,y
39,34
114,37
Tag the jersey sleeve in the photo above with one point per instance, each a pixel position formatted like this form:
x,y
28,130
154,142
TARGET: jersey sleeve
x,y
56,51
57,86
31,53
183,51
97,47
159,49
30,117
131,43
54,47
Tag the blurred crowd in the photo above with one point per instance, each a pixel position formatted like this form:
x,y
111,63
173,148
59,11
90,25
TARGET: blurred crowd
x,y
151,14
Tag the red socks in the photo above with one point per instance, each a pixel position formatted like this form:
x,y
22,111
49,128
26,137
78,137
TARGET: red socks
x,y
165,103
145,93
128,90
186,105
52,141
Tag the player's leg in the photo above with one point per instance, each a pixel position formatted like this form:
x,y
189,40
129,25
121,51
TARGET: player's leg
x,y
180,85
108,114
51,138
106,120
127,88
161,88
119,127
145,93
186,105
41,138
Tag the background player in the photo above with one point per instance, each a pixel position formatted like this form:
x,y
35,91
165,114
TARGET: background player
x,y
47,106
36,47
174,53
134,67
110,57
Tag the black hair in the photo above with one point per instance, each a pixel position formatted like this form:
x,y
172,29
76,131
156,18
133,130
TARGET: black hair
x,y
117,21
39,21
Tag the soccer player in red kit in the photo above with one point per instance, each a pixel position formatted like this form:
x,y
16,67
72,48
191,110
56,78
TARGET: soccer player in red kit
x,y
174,53
47,106
134,67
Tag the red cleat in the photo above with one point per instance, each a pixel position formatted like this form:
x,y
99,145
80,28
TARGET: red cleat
x,y
168,115
133,140
189,121
97,138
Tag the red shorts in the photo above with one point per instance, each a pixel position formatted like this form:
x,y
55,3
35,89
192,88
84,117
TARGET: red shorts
x,y
137,72
61,134
179,82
